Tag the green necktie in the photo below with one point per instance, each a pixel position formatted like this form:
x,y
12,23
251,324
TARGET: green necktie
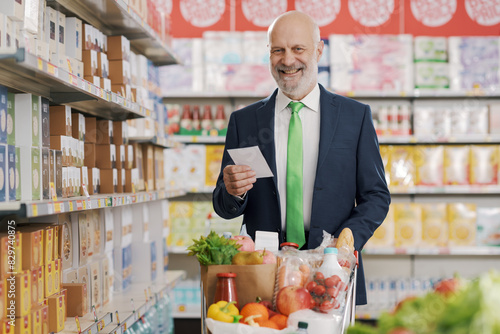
x,y
294,204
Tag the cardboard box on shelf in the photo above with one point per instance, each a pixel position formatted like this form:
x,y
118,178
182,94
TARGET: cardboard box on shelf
x,y
88,41
120,188
78,126
57,313
105,156
32,241
148,166
77,299
3,173
120,132
34,287
90,129
28,112
93,79
106,84
61,34
44,312
129,157
102,65
61,144
36,321
11,173
96,284
118,48
5,267
22,297
104,132
45,167
23,325
31,182
3,114
90,155
74,37
61,121
119,72
14,10
58,172
45,122
108,180
11,119
89,59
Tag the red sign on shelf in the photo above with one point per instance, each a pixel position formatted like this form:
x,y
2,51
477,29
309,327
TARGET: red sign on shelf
x,y
192,17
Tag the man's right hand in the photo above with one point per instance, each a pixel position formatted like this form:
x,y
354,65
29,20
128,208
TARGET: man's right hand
x,y
238,179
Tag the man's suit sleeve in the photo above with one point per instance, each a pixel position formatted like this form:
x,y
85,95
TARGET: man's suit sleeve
x,y
372,195
226,205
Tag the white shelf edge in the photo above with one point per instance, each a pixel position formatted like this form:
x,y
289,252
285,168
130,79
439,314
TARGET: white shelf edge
x,y
438,251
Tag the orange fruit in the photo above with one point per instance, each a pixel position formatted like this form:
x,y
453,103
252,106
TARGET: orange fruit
x,y
280,320
269,324
253,309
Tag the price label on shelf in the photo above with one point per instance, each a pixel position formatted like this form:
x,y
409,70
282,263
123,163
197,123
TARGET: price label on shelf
x,y
51,69
79,205
57,207
100,325
40,64
34,210
70,206
84,205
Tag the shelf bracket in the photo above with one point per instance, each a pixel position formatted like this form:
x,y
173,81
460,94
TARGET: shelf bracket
x,y
61,98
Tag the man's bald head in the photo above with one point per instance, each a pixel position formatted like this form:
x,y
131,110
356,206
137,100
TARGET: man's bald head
x,y
295,18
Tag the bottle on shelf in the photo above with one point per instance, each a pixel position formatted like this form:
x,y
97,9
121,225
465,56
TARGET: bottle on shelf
x,y
196,120
220,120
206,121
186,120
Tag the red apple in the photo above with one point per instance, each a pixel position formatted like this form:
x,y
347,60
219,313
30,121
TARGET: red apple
x,y
246,243
293,298
447,287
267,256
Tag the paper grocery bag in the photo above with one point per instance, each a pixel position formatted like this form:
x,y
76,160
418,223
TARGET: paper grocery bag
x,y
252,281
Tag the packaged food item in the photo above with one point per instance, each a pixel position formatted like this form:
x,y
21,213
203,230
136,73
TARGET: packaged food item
x,y
456,165
407,223
434,225
484,164
429,165
402,166
462,224
488,227
384,234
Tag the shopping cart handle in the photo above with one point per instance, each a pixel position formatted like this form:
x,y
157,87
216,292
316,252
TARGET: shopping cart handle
x,y
357,258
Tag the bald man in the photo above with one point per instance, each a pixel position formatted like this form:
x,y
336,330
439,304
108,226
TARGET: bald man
x,y
322,149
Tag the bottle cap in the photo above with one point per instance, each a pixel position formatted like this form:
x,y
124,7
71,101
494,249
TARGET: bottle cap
x,y
228,275
331,250
290,244
303,324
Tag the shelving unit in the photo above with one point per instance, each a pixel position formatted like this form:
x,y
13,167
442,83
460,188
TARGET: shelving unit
x,y
107,322
25,72
115,17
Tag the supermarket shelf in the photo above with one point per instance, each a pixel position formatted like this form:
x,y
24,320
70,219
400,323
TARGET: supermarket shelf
x,y
42,208
417,94
162,142
199,139
461,139
187,314
115,17
128,312
27,73
450,190
177,250
459,251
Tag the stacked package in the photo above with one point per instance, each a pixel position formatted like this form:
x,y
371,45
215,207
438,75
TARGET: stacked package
x,y
431,62
371,64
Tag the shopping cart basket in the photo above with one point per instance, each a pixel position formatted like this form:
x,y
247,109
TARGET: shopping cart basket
x,y
348,316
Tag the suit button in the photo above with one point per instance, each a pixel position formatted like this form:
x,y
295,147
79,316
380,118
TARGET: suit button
x,y
233,209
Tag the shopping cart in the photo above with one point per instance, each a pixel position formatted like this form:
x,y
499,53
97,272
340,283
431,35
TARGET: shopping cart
x,y
349,312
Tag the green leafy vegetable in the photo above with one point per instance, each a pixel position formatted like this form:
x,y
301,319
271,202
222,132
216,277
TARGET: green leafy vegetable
x,y
213,249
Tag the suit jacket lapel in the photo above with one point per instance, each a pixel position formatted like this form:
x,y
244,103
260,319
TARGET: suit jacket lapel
x,y
265,123
330,108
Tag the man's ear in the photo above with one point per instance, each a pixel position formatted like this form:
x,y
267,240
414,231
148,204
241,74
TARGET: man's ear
x,y
319,49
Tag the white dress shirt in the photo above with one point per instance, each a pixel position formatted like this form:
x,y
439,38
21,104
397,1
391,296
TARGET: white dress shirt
x,y
310,118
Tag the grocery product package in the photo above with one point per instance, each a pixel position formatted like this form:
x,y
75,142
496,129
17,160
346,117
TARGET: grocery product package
x,y
429,165
456,165
407,222
462,224
484,164
260,278
434,225
488,227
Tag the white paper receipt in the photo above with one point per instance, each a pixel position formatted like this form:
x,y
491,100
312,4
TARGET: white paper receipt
x,y
251,156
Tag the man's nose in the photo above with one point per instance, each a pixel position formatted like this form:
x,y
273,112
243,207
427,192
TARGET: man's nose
x,y
288,58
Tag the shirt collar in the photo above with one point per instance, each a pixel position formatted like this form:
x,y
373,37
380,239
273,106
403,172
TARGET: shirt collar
x,y
311,100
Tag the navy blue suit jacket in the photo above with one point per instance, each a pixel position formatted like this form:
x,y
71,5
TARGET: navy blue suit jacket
x,y
350,188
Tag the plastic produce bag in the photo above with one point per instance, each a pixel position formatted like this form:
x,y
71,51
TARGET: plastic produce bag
x,y
219,327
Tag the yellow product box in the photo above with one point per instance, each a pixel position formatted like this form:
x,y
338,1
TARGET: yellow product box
x,y
456,165
6,326
434,225
36,321
41,284
57,275
484,164
48,244
402,166
3,299
34,286
22,297
44,314
213,162
23,325
384,234
76,299
462,224
49,279
57,240
57,313
32,248
407,224
10,254
429,165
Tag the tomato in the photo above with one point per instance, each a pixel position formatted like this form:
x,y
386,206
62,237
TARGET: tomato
x,y
326,306
332,281
311,285
319,290
319,276
332,292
